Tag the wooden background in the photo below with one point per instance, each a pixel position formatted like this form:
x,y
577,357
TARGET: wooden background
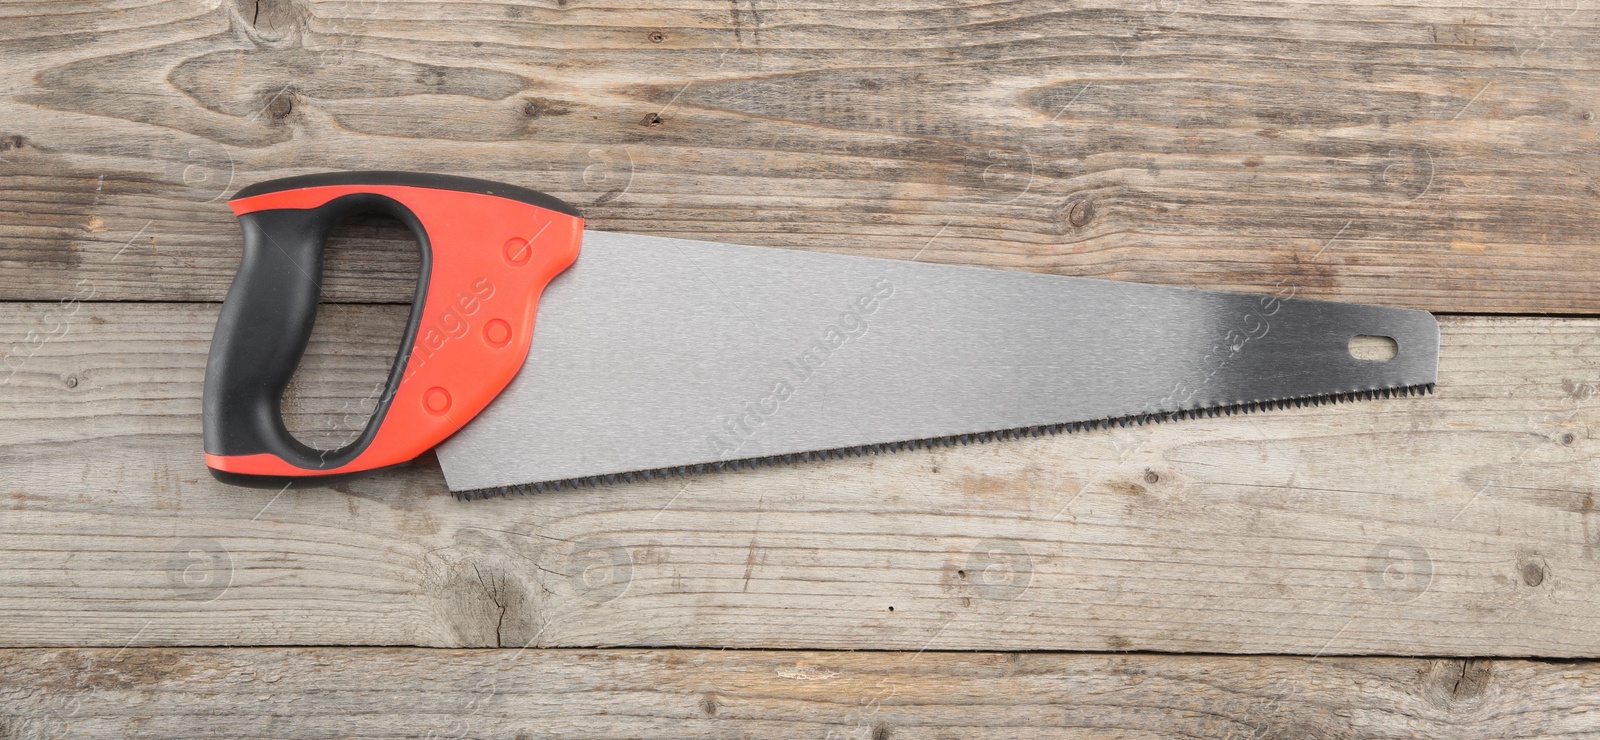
x,y
1421,567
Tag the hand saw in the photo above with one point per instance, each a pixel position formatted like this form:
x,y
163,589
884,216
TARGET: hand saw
x,y
656,356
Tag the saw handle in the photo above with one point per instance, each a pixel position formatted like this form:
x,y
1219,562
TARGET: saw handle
x,y
488,250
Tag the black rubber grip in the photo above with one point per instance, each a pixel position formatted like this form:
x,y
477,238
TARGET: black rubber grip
x,y
375,178
266,323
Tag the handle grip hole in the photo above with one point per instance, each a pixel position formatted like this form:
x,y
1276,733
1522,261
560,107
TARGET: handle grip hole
x,y
345,371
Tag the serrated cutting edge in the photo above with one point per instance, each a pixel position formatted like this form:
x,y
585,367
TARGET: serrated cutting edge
x,y
750,463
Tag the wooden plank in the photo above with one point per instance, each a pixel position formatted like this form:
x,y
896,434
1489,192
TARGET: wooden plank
x,y
398,692
1419,154
1456,524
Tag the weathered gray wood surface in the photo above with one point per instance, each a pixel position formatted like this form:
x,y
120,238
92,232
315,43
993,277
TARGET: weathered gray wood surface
x,y
1457,524
1429,155
389,692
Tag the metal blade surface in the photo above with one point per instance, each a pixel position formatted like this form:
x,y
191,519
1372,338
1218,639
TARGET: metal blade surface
x,y
654,353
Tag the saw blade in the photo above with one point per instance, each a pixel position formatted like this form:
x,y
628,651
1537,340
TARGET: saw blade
x,y
655,355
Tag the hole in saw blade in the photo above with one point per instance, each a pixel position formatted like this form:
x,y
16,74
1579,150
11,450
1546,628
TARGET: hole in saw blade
x,y
346,366
1373,348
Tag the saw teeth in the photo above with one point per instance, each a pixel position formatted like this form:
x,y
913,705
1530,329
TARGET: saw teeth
x,y
752,463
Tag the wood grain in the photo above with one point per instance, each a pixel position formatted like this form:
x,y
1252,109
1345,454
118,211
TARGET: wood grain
x,y
390,692
1427,154
1457,524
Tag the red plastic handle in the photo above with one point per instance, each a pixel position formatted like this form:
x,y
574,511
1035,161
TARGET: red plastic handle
x,y
489,250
